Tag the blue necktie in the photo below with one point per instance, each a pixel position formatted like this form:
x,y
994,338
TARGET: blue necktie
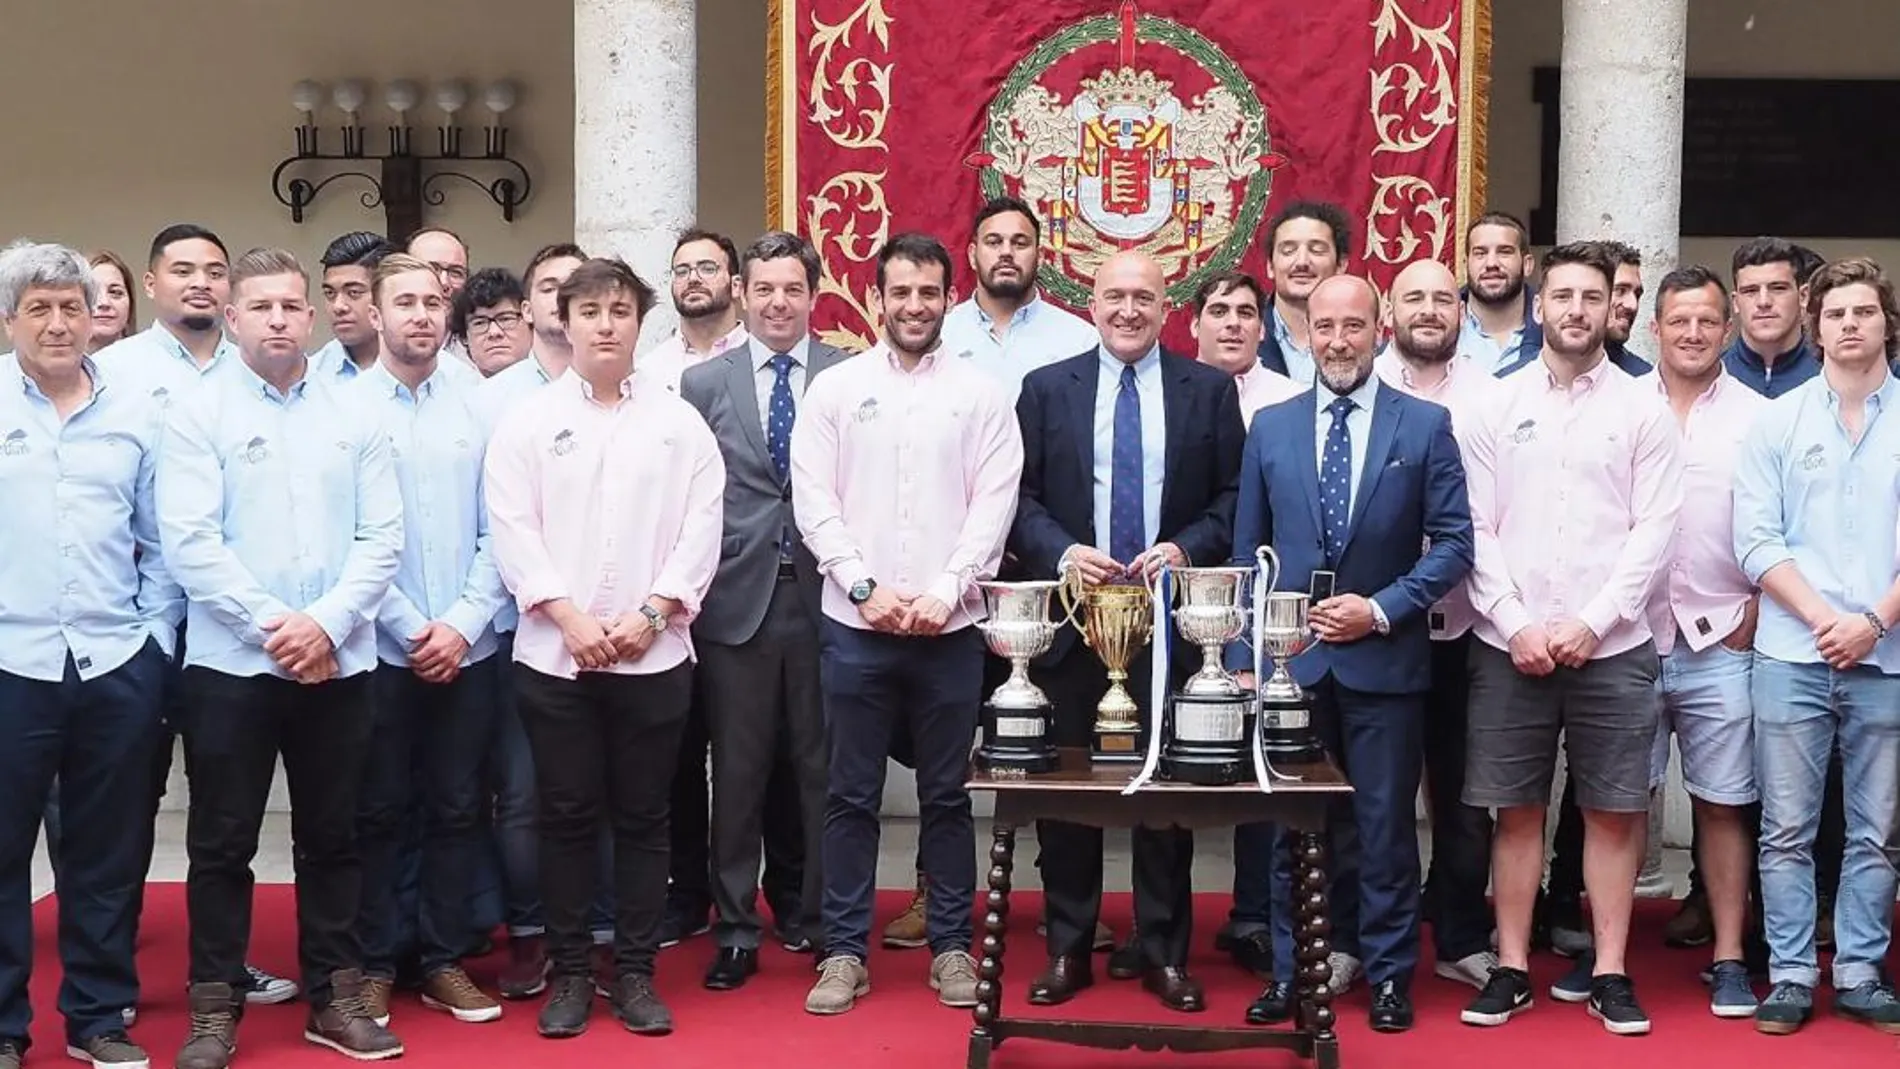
x,y
780,412
1126,537
779,415
1335,479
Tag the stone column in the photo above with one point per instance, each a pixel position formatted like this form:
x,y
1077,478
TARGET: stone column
x,y
636,138
1619,169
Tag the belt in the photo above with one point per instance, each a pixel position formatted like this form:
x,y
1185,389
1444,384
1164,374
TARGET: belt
x,y
787,570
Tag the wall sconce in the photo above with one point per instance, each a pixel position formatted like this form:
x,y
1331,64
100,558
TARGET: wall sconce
x,y
402,187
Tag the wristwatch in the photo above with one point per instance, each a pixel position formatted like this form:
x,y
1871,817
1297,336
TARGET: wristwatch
x,y
861,591
654,619
1880,629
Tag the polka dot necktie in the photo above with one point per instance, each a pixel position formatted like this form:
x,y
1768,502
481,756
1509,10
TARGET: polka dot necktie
x,y
780,412
1126,537
1335,479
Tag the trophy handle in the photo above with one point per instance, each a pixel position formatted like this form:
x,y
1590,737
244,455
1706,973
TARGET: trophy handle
x,y
1269,562
1070,594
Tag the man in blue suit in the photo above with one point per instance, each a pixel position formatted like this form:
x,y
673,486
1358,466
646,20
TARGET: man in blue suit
x,y
1353,477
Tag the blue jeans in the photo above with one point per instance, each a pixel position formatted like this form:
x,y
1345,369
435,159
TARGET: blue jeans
x,y
1800,711
97,736
871,682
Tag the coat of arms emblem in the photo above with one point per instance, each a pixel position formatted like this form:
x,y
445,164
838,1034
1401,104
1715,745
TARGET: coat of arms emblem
x,y
1131,131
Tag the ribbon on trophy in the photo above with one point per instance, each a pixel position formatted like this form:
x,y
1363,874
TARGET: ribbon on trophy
x,y
1262,770
1160,596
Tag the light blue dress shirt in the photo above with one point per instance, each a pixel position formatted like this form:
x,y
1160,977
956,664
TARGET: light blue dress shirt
x,y
333,362
446,571
1805,492
273,503
1300,365
1358,428
80,567
1483,351
1040,334
491,400
1154,441
155,363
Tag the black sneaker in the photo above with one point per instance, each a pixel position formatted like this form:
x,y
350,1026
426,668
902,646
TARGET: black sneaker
x,y
1787,1007
1506,995
637,1007
1613,1001
568,1005
683,921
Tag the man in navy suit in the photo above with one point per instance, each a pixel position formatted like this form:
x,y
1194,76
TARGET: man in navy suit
x,y
1353,477
1130,460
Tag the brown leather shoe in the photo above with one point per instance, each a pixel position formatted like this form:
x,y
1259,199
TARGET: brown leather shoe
x,y
345,1025
215,1011
908,930
1065,978
1175,988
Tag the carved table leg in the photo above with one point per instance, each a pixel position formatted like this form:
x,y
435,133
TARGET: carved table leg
x,y
989,987
1314,942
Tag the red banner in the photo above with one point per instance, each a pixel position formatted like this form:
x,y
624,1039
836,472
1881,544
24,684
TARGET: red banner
x,y
1175,127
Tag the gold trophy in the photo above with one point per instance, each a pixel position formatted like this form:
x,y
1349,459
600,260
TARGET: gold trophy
x,y
1116,621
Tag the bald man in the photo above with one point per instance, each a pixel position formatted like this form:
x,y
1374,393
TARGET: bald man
x,y
1130,457
1353,477
1423,361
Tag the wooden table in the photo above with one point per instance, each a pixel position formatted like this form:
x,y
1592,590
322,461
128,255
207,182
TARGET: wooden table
x,y
1087,794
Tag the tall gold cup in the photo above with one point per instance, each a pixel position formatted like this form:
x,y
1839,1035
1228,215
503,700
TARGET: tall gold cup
x,y
1116,621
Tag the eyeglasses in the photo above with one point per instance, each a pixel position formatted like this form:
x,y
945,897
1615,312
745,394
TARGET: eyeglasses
x,y
455,272
704,269
504,320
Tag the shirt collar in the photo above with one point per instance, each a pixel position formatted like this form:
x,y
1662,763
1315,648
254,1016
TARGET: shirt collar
x,y
1028,310
1401,369
762,353
1588,380
729,340
255,384
1362,395
170,343
32,389
389,385
1283,334
924,367
1144,367
587,388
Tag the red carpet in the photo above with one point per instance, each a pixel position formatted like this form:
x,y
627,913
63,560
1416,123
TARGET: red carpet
x,y
765,1025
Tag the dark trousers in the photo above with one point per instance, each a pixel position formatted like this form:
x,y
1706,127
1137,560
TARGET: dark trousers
x,y
793,833
426,751
1378,741
1461,834
689,875
235,728
872,682
605,748
762,699
1071,856
96,737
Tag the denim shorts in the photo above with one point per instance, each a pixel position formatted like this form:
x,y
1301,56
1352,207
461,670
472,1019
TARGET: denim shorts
x,y
1706,703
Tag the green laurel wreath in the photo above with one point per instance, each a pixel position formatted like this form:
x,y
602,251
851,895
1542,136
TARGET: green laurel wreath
x,y
1104,29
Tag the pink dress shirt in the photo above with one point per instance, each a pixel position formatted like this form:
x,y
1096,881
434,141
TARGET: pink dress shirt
x,y
1704,593
908,478
667,361
605,504
1260,387
1464,391
1574,498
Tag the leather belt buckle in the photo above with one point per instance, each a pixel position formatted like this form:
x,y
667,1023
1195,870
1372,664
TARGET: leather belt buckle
x,y
787,570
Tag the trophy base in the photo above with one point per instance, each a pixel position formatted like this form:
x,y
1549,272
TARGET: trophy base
x,y
1016,740
1292,747
1205,770
1206,741
1118,747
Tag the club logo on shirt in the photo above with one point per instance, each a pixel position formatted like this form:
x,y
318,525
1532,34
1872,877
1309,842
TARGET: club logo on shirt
x,y
256,451
1525,433
867,410
14,445
163,396
1815,458
563,443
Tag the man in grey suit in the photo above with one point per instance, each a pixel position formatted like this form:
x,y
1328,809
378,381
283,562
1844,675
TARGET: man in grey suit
x,y
757,632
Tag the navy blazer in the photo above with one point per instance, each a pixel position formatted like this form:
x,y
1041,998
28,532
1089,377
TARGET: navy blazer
x,y
1201,465
1412,489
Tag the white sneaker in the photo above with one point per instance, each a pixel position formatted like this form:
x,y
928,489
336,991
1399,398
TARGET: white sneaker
x,y
1473,969
266,989
1346,971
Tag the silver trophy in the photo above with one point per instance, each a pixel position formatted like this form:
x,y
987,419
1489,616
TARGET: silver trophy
x,y
1285,720
1017,718
1205,733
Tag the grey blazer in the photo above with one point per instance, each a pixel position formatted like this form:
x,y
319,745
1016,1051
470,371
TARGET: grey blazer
x,y
758,506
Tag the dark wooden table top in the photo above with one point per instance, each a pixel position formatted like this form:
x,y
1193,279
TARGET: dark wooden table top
x,y
1078,774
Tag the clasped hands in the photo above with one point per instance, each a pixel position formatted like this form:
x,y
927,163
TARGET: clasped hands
x,y
1538,650
896,613
300,647
597,645
1098,568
